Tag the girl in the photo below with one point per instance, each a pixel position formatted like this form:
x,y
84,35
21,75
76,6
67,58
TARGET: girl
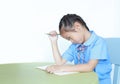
x,y
88,50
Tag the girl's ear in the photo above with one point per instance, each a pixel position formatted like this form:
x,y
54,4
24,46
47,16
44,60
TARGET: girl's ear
x,y
77,26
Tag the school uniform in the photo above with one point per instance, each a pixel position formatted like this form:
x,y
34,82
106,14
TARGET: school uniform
x,y
94,48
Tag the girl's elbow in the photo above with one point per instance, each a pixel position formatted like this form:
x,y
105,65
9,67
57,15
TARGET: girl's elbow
x,y
58,63
61,62
90,68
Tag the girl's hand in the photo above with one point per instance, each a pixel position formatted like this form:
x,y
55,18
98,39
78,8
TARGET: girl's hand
x,y
53,68
53,36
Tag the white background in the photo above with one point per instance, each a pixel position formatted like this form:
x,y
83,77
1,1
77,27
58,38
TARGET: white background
x,y
23,24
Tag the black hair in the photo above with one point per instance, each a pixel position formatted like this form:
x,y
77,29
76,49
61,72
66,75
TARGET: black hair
x,y
68,20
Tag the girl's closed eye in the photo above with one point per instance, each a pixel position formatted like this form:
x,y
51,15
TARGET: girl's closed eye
x,y
68,38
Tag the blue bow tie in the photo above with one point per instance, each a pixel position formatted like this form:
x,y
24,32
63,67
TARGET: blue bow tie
x,y
81,48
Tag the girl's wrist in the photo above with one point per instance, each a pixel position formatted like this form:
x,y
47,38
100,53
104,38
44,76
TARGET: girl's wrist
x,y
54,42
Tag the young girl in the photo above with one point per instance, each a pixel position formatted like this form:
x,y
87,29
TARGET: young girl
x,y
88,50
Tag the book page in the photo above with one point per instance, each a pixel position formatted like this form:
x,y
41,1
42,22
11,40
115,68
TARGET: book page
x,y
56,73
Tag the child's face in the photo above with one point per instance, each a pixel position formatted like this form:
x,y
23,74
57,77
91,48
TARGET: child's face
x,y
75,36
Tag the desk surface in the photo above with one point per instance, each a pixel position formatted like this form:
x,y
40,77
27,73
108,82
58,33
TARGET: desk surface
x,y
26,73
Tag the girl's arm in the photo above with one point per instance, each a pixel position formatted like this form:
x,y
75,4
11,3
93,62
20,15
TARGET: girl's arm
x,y
74,68
56,54
80,67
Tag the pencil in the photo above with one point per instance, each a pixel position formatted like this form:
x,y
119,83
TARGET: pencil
x,y
51,34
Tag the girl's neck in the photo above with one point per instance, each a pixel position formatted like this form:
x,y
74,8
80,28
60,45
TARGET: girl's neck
x,y
87,35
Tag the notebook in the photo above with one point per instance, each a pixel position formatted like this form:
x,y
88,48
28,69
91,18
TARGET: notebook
x,y
56,73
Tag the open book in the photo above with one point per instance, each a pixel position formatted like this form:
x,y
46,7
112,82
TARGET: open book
x,y
56,73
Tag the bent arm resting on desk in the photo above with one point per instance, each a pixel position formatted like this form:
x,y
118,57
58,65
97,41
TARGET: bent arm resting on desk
x,y
74,68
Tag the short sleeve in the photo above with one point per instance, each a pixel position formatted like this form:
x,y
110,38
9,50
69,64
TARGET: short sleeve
x,y
99,50
68,54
